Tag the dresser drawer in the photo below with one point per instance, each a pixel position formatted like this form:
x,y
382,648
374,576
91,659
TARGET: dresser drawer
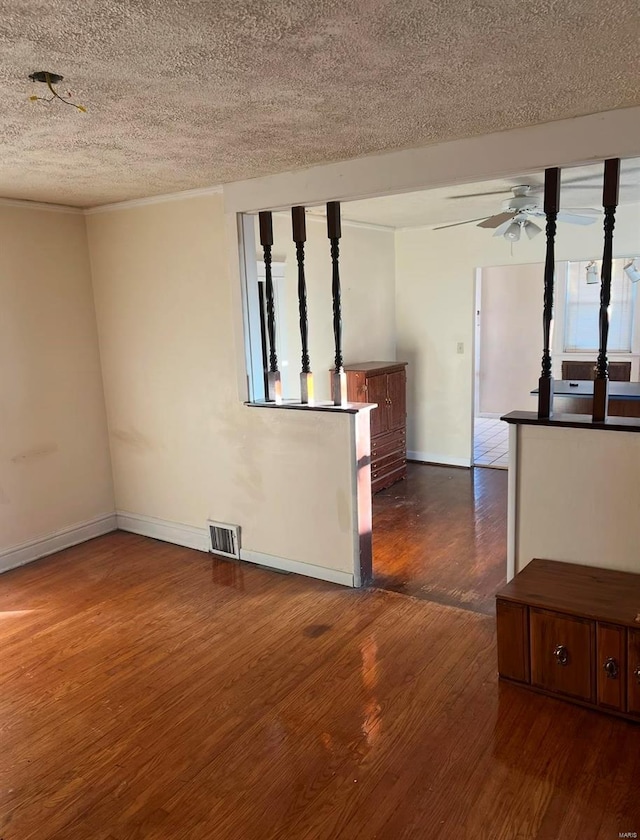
x,y
633,672
611,666
383,445
397,472
563,654
381,465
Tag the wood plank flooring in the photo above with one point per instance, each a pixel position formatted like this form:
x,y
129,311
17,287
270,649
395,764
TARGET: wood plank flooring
x,y
441,535
148,691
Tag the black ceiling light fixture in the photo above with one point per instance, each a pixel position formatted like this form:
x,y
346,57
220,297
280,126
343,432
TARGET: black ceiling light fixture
x,y
51,80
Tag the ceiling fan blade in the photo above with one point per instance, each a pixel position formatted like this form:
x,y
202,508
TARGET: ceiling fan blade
x,y
496,221
457,224
583,211
574,219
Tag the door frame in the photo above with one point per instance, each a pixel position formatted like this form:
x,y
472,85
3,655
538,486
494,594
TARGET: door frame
x,y
475,380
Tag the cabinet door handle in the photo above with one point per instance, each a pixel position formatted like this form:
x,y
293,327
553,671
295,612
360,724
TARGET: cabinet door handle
x,y
611,668
561,654
636,673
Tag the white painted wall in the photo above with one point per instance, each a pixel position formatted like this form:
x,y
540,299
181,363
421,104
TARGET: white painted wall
x,y
367,279
577,497
435,303
54,458
184,447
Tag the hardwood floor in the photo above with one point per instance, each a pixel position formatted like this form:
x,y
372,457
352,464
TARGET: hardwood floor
x,y
150,692
441,535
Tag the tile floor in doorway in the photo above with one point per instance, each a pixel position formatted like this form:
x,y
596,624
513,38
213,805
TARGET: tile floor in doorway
x,y
490,443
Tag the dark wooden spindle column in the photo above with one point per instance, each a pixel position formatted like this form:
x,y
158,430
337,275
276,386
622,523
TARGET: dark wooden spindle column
x,y
299,237
274,385
551,208
609,202
334,232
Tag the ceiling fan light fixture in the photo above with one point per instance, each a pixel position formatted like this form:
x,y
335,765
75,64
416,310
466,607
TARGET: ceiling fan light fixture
x,y
531,229
512,233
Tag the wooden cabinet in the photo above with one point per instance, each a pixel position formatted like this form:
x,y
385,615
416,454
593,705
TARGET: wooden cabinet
x,y
573,632
384,383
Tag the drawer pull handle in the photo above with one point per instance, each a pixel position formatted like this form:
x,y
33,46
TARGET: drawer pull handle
x,y
636,673
611,668
561,654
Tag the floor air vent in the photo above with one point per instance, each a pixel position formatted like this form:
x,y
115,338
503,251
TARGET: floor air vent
x,y
225,539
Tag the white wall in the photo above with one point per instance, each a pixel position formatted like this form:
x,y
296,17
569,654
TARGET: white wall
x,y
184,447
435,303
367,279
578,496
54,459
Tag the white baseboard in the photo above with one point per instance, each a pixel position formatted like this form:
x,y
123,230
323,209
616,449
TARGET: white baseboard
x,y
296,567
436,458
190,536
27,552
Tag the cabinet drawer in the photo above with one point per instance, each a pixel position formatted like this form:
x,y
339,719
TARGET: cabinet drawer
x,y
383,445
388,478
633,672
387,463
387,466
611,666
562,654
513,640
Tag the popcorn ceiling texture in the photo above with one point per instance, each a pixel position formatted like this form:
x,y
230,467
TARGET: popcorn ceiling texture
x,y
189,94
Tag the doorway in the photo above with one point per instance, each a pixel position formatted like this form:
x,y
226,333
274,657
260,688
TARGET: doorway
x,y
507,356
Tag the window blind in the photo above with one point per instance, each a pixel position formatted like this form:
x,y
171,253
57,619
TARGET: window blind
x,y
582,310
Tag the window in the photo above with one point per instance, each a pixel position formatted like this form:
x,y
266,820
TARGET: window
x,y
581,328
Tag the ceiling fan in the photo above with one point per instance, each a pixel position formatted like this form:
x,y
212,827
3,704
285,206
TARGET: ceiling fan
x,y
518,211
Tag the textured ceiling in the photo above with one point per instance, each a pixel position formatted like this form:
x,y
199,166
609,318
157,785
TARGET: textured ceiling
x,y
183,94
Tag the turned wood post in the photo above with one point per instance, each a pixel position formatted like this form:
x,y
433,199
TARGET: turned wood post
x,y
609,202
299,237
551,208
334,232
274,385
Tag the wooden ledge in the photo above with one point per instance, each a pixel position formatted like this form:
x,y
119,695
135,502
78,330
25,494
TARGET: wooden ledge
x,y
574,421
289,405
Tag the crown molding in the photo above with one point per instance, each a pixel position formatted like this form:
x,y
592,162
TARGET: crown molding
x,y
40,205
153,199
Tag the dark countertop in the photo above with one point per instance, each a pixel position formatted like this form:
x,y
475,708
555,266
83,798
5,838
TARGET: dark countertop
x,y
573,421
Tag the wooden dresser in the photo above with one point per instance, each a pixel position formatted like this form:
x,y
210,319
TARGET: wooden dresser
x,y
384,383
573,632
